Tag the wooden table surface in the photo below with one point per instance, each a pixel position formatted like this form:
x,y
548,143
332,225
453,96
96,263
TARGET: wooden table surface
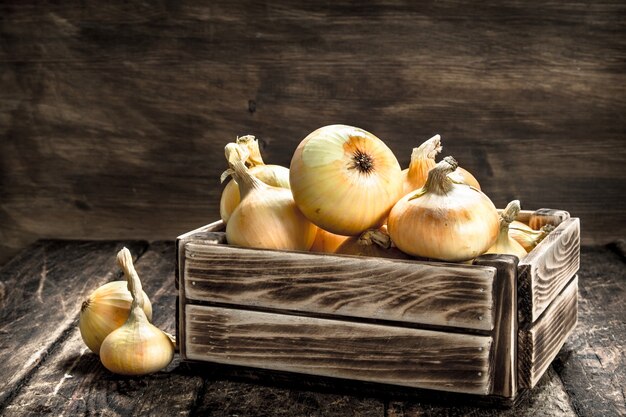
x,y
45,369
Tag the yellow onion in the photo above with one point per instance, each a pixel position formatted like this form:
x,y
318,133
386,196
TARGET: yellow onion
x,y
444,219
373,242
505,244
527,237
105,310
326,242
267,217
275,175
344,179
423,160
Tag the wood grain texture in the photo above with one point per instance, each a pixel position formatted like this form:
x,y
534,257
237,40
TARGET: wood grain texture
x,y
539,345
362,352
544,272
113,115
504,357
43,292
592,363
73,382
404,291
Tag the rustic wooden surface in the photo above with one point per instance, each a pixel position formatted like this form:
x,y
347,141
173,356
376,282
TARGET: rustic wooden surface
x,y
454,295
586,379
113,115
546,270
540,343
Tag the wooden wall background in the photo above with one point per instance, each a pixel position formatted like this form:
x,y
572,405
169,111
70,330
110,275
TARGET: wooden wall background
x,y
113,116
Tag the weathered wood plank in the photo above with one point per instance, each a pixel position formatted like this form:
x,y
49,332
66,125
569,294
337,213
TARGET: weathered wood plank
x,y
548,399
540,344
372,288
43,291
508,85
504,357
592,363
545,271
362,352
73,382
544,216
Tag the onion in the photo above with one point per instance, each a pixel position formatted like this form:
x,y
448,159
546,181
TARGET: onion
x,y
444,219
528,237
344,179
267,217
274,175
326,242
506,244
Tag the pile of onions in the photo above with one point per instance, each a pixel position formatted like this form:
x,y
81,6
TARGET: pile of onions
x,y
444,220
344,179
373,242
274,175
505,244
267,217
423,160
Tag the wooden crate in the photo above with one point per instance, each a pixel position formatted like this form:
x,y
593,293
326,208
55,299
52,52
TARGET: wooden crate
x,y
489,329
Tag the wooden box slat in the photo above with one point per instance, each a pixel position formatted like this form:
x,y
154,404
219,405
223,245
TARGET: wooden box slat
x,y
545,271
372,288
358,351
539,345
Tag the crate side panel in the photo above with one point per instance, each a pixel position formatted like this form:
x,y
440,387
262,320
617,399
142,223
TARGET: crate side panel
x,y
372,288
364,352
545,271
539,345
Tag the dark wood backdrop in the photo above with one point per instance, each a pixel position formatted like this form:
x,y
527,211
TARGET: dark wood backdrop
x,y
113,116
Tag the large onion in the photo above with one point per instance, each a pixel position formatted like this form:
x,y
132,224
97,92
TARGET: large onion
x,y
444,220
344,179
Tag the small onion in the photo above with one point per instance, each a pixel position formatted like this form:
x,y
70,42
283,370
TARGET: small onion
x,y
505,244
345,179
444,220
423,160
373,242
527,237
106,309
267,217
275,175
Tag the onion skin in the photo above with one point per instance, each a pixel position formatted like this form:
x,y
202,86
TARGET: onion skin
x,y
444,220
364,245
326,242
464,176
344,179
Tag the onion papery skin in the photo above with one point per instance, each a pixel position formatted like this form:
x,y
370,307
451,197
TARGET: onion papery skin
x,y
326,242
105,310
458,227
352,246
335,192
274,175
268,218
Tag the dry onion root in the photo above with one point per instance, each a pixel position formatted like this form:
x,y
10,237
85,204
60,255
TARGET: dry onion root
x,y
344,179
505,243
373,242
444,219
275,175
267,217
